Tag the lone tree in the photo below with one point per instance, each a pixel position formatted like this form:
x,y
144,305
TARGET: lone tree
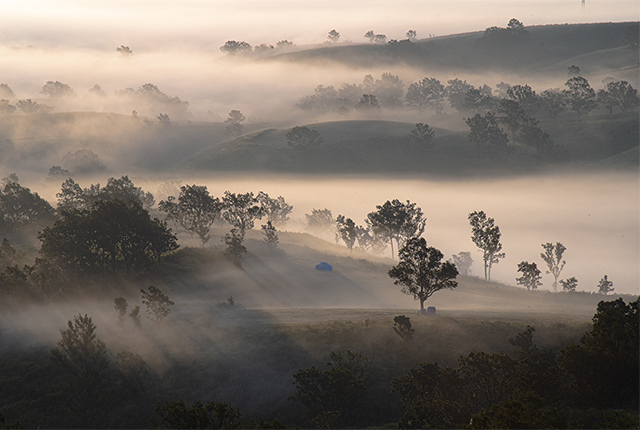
x,y
486,235
241,210
235,248
463,262
569,285
402,327
124,50
412,35
552,255
270,235
421,271
348,231
421,134
579,95
195,210
157,303
397,221
303,138
84,358
234,129
333,36
605,286
530,275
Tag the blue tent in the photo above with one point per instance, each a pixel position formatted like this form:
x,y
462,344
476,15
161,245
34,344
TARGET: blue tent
x,y
325,267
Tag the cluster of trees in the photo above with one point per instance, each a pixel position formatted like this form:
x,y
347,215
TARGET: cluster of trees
x,y
530,388
393,222
553,258
195,210
430,93
91,231
148,98
234,47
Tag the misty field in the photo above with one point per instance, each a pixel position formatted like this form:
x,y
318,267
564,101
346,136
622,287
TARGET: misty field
x,y
402,230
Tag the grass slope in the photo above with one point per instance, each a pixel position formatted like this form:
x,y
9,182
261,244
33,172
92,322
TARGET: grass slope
x,y
548,45
378,147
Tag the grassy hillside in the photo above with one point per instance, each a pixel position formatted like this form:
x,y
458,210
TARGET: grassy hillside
x,y
378,146
547,45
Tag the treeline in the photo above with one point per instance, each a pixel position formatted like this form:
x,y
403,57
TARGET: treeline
x,y
83,383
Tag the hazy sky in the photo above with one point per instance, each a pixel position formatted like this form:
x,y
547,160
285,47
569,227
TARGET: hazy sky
x,y
209,23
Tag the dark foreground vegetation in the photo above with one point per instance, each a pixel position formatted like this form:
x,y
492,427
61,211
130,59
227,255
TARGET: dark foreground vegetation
x,y
233,371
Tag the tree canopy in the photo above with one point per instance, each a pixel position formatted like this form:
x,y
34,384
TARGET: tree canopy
x,y
421,271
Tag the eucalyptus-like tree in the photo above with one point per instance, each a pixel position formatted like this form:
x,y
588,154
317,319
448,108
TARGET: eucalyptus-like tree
x,y
397,221
195,210
486,235
552,255
421,271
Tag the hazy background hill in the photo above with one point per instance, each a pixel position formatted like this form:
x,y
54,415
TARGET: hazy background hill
x,y
548,48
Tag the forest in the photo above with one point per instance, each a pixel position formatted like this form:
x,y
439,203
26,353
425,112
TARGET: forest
x,y
374,241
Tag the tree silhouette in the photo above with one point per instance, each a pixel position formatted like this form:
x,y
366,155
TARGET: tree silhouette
x,y
553,257
421,271
486,236
195,210
157,303
530,275
397,221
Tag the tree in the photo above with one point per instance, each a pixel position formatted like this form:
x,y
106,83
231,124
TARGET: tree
x,y
270,235
412,35
463,262
605,286
29,107
486,134
164,119
234,128
303,138
421,271
135,316
6,108
125,51
6,92
20,208
530,275
195,210
569,285
212,415
604,368
333,36
490,378
370,35
432,397
513,116
57,89
320,221
524,95
456,91
241,210
120,305
235,248
553,257
347,230
580,97
233,47
157,303
486,236
402,327
623,95
532,136
276,210
368,103
397,221
551,102
109,236
573,71
83,161
122,189
84,358
333,397
428,92
421,134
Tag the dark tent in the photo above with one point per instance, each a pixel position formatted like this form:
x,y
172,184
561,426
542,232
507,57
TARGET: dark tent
x,y
325,267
